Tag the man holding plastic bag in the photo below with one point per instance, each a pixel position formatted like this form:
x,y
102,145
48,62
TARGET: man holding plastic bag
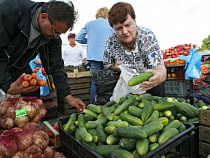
x,y
133,49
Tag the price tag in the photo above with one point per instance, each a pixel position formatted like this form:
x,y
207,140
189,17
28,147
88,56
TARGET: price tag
x,y
88,72
46,122
171,60
21,112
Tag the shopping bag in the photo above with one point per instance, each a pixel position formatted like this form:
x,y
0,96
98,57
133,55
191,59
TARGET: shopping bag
x,y
105,81
43,90
122,89
193,63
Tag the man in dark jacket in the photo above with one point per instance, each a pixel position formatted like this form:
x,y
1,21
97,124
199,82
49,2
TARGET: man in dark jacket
x,y
27,27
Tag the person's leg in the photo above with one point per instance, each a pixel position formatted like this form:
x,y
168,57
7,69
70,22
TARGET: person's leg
x,y
95,66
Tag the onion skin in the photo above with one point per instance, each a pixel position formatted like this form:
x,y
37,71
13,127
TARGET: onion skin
x,y
3,110
24,141
10,113
20,154
48,152
31,128
8,145
58,155
42,111
21,121
7,123
30,110
41,139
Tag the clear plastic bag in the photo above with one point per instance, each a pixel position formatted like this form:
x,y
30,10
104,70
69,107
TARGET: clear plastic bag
x,y
122,88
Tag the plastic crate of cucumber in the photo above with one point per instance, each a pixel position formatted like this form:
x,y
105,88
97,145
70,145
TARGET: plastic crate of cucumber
x,y
133,126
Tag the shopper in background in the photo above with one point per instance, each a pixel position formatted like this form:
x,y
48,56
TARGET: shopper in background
x,y
73,54
97,32
135,47
26,28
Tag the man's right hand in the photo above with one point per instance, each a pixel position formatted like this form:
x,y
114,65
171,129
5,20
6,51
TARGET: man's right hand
x,y
17,88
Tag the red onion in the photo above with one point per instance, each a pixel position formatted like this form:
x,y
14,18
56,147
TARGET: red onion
x,y
30,110
58,155
24,141
33,149
7,123
3,110
41,139
8,145
37,118
10,113
32,127
48,152
20,154
42,111
36,105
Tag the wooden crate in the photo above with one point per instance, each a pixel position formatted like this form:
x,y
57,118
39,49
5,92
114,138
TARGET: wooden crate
x,y
77,74
79,80
204,149
204,134
204,116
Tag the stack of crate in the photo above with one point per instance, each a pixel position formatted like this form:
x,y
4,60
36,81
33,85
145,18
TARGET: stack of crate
x,y
175,84
204,132
80,83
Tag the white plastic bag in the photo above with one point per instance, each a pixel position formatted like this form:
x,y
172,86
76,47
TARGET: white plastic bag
x,y
122,89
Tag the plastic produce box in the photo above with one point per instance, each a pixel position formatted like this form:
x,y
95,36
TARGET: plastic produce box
x,y
180,89
175,73
78,149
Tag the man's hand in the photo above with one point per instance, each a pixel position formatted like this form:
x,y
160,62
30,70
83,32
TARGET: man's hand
x,y
75,102
17,88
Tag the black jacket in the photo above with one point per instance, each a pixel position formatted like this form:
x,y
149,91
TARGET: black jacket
x,y
15,23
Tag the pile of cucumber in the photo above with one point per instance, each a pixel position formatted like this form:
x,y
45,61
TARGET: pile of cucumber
x,y
131,126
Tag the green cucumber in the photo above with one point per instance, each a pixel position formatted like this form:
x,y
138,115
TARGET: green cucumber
x,y
117,123
180,107
152,128
168,134
147,111
172,124
90,112
111,140
127,144
90,145
153,146
94,124
71,121
94,108
124,106
109,129
120,153
130,132
72,129
109,103
194,119
154,116
167,113
142,147
135,111
106,150
112,108
101,134
164,106
140,78
132,120
182,127
163,120
81,120
193,108
106,113
84,135
88,117
153,138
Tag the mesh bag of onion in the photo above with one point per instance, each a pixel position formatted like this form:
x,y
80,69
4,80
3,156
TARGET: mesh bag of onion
x,y
28,141
33,106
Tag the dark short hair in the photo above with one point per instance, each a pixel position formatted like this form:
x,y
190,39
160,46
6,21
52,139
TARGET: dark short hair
x,y
71,35
119,13
60,11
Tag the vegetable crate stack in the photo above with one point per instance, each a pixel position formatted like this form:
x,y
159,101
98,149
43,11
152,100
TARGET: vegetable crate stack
x,y
204,132
80,88
175,84
134,126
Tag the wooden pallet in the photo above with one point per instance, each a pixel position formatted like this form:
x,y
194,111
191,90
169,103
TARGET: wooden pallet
x,y
77,74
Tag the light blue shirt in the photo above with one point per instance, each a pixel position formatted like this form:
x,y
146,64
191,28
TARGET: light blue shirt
x,y
97,31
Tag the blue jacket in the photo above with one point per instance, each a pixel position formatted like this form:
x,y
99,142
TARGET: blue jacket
x,y
98,32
